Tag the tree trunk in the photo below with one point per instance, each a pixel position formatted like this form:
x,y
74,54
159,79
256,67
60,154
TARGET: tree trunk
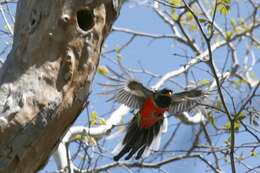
x,y
45,81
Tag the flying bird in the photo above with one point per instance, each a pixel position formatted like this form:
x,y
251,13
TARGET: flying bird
x,y
149,105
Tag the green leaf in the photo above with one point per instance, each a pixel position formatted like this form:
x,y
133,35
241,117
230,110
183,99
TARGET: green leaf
x,y
85,138
174,15
224,10
103,70
117,50
102,121
229,35
209,28
204,82
233,22
189,16
175,2
219,104
203,20
253,153
240,116
193,27
227,126
89,140
93,118
77,137
237,125
224,6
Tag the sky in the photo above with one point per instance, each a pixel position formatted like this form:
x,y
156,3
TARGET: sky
x,y
156,56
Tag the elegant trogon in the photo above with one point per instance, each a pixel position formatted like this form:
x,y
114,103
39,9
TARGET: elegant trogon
x,y
149,106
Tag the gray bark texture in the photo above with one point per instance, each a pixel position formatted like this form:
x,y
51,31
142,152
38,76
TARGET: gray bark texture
x,y
46,78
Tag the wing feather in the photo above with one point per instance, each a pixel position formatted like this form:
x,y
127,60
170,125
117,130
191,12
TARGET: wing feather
x,y
131,92
130,96
185,101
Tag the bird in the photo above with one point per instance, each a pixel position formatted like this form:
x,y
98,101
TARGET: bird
x,y
145,128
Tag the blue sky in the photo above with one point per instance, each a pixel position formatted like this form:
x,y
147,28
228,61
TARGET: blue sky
x,y
157,57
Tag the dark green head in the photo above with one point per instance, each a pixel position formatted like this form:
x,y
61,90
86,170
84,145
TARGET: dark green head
x,y
163,98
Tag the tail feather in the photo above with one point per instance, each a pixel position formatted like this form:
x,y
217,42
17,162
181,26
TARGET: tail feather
x,y
138,140
137,145
140,153
156,138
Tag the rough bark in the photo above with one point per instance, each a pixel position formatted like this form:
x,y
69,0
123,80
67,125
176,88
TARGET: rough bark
x,y
45,81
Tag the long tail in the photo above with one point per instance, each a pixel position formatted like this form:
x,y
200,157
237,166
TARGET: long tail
x,y
139,140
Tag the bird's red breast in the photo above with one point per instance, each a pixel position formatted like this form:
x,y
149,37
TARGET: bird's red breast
x,y
150,113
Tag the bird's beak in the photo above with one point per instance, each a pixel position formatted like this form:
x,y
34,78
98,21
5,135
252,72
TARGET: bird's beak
x,y
169,94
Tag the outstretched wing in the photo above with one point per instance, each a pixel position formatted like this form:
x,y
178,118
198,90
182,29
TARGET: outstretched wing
x,y
185,101
132,94
128,92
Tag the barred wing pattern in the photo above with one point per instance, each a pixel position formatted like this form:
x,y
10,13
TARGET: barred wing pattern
x,y
185,101
129,97
131,92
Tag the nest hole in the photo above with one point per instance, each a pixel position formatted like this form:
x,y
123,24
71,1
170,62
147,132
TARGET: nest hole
x,y
85,19
33,22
